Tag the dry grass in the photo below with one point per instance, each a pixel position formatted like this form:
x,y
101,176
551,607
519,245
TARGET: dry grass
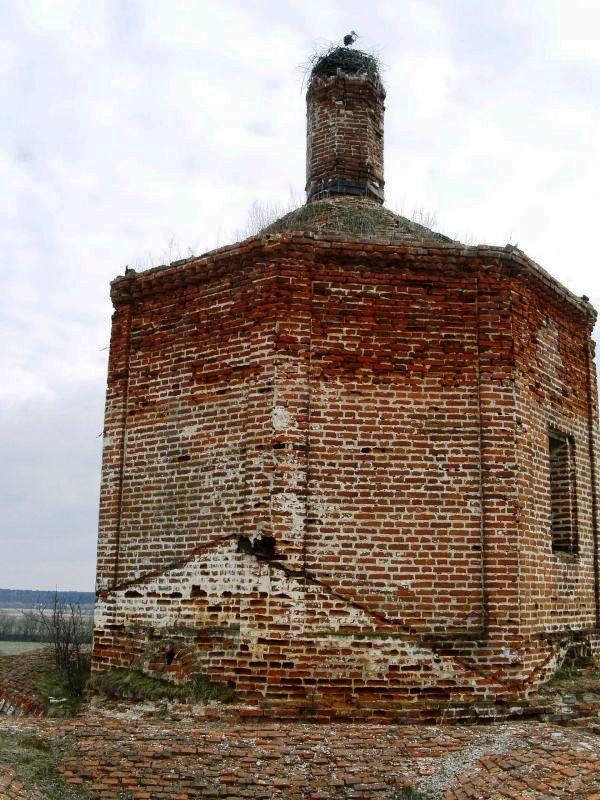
x,y
134,684
36,762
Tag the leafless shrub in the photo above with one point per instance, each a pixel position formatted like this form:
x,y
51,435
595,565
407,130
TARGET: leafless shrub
x,y
69,631
20,626
262,213
173,250
7,626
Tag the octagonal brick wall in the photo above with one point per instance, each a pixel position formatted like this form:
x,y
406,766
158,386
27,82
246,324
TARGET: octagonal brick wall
x,y
324,478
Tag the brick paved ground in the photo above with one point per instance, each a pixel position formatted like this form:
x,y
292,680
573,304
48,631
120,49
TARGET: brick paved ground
x,y
124,755
11,788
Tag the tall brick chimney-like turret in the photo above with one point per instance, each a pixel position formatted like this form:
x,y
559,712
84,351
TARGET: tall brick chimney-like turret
x,y
345,107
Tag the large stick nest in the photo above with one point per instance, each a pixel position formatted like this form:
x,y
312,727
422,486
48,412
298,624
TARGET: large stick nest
x,y
344,59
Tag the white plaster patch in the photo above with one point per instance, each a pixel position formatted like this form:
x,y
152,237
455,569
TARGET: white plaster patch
x,y
100,614
281,418
188,431
291,504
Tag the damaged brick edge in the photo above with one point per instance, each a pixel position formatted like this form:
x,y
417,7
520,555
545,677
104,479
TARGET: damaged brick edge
x,y
189,270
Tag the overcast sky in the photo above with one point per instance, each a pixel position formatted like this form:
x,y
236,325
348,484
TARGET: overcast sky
x,y
136,130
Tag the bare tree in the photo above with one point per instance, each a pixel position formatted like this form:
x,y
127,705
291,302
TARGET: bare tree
x,y
7,626
69,631
20,627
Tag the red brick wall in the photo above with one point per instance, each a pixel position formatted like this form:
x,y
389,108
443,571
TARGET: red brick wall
x,y
345,135
378,415
188,415
555,389
394,506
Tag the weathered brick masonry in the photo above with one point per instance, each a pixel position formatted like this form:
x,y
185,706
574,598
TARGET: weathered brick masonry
x,y
350,474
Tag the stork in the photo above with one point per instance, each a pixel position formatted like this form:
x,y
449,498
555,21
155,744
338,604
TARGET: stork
x,y
350,38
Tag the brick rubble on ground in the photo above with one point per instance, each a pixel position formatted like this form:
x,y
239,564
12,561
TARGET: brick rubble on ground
x,y
127,756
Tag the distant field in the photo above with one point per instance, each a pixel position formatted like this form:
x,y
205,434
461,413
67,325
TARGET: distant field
x,y
13,612
28,598
9,611
16,648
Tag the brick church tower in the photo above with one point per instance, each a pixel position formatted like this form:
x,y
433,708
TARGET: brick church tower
x,y
350,464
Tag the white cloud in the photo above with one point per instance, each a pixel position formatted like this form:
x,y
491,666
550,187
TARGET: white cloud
x,y
129,124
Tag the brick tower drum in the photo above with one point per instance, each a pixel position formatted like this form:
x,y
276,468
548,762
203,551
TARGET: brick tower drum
x,y
345,108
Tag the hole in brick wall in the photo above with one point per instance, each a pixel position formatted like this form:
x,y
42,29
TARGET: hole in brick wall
x,y
365,449
132,593
244,545
196,591
265,547
170,656
562,492
279,446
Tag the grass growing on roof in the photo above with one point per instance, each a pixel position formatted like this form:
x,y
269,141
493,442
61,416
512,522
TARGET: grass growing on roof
x,y
328,217
353,218
134,684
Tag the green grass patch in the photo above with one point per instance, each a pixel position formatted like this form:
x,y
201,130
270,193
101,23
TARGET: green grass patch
x,y
55,694
572,669
36,763
134,684
563,674
16,648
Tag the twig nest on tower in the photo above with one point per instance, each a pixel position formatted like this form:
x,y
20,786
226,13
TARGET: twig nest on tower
x,y
345,60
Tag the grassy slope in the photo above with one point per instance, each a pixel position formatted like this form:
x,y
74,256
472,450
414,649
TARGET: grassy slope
x,y
36,762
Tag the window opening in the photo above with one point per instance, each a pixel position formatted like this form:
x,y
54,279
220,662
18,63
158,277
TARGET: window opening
x,y
562,492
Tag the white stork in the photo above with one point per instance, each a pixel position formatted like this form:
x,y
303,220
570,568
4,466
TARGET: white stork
x,y
350,38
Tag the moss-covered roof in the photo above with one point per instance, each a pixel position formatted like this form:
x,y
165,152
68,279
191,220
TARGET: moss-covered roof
x,y
354,217
345,59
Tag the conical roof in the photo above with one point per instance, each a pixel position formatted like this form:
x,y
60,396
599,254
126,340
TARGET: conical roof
x,y
354,217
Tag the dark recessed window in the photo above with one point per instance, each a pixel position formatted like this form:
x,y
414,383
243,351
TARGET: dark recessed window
x,y
563,505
